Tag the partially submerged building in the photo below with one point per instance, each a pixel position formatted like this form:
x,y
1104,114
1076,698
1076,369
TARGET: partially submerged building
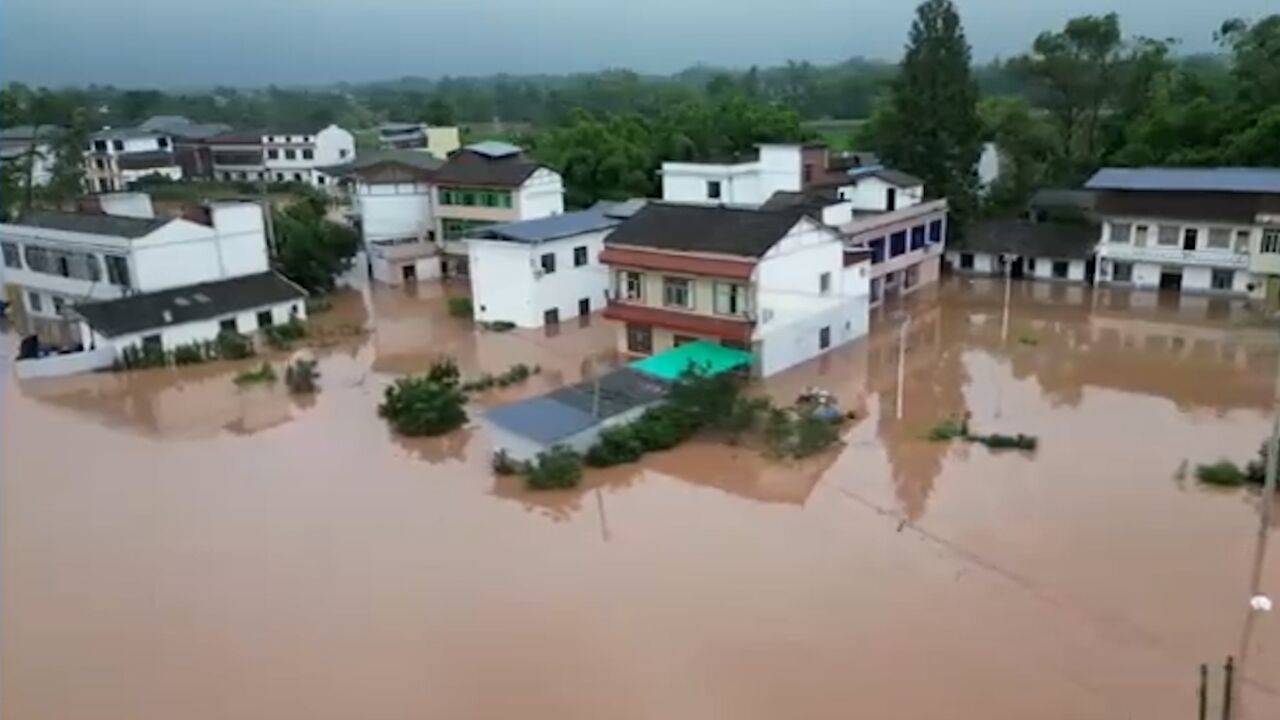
x,y
1055,241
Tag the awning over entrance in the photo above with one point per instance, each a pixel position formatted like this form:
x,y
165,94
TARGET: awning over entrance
x,y
707,356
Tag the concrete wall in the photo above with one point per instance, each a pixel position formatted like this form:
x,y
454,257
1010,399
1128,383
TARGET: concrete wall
x,y
779,168
171,337
442,140
506,282
180,253
870,193
782,346
333,145
391,211
241,237
69,364
542,195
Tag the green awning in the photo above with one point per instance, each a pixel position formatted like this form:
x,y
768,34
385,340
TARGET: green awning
x,y
706,356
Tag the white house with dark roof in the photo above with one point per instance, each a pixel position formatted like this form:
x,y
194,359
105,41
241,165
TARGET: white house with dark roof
x,y
64,271
281,155
541,272
395,205
1206,230
116,158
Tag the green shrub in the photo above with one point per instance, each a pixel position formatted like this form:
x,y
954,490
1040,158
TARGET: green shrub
x,y
996,441
744,416
461,307
302,377
1028,341
264,374
503,464
282,337
1224,473
812,435
418,406
444,372
515,374
234,346
189,354
137,357
615,446
948,430
708,399
558,468
317,304
663,426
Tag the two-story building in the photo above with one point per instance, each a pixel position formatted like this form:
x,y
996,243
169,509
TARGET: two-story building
x,y
544,271
436,140
106,279
775,282
489,183
190,146
281,156
116,158
747,180
1213,230
394,196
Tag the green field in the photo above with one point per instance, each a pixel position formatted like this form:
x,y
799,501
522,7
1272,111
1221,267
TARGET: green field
x,y
836,133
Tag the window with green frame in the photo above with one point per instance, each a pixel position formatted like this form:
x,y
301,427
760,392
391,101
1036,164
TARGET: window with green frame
x,y
452,228
475,197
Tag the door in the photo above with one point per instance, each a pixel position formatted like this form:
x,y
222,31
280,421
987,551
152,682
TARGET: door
x,y
1018,269
1090,269
584,306
409,273
1171,280
891,199
551,317
639,339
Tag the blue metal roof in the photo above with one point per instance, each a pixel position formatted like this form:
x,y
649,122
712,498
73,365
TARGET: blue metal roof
x,y
550,228
1160,179
550,418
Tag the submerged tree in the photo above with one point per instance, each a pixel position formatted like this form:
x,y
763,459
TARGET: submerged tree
x,y
310,249
930,125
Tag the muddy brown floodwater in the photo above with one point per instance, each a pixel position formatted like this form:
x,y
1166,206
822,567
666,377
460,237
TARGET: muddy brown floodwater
x,y
175,547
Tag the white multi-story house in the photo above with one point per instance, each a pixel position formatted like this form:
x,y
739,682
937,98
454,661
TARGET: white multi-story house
x,y
281,156
775,282
121,276
748,181
28,143
541,272
484,184
439,141
1190,229
115,158
394,200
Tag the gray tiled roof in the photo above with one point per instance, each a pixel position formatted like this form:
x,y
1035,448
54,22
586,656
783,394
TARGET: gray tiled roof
x,y
889,175
705,228
553,417
1061,240
92,223
149,311
1218,179
550,228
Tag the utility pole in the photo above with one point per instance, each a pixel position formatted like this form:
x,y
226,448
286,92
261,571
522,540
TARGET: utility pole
x,y
1008,259
902,361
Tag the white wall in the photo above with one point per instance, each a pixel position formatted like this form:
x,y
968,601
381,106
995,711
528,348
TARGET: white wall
x,y
180,253
786,345
752,183
542,195
506,287
334,145
443,140
200,331
870,193
242,238
390,211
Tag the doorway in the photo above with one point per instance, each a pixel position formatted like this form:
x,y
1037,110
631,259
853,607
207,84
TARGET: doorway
x,y
551,317
1090,269
1017,269
409,273
1171,280
584,306
890,199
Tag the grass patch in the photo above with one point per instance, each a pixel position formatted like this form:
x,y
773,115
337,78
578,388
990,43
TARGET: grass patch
x,y
949,430
263,374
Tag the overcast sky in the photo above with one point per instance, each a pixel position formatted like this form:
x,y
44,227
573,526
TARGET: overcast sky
x,y
255,42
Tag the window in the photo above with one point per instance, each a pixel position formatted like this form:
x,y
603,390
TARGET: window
x,y
58,304
1220,238
1122,272
580,256
11,256
935,231
474,197
273,154
639,339
966,261
877,250
898,243
1121,233
1190,236
824,338
117,270
1270,242
548,262
342,153
1222,279
290,154
308,154
453,228
117,145
297,177
631,285
35,302
228,325
917,237
100,145
1061,268
1167,234
1141,235
38,259
731,299
162,142
910,277
677,292
100,163
264,319
1242,241
713,189
824,283
279,177
320,179
153,343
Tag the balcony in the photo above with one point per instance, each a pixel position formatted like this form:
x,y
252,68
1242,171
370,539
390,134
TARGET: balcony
x,y
1174,255
725,328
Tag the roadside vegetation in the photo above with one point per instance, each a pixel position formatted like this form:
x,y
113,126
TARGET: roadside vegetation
x,y
284,335
228,346
948,430
1228,474
302,377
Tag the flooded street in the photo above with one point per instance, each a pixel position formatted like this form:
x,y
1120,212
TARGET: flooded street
x,y
178,547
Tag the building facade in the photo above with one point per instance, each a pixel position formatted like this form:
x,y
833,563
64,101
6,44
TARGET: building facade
x,y
777,283
394,196
541,272
1055,241
905,247
115,159
746,181
439,141
1207,230
281,156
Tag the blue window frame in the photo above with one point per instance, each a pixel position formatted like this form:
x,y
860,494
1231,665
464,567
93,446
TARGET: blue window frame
x,y
898,244
917,237
877,250
935,231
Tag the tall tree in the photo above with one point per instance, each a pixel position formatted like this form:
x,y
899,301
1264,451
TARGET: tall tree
x,y
930,126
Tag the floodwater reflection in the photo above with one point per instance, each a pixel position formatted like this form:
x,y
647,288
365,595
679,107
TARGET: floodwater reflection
x,y
175,546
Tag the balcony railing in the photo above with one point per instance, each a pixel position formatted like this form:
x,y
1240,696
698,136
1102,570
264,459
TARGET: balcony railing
x,y
1174,255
